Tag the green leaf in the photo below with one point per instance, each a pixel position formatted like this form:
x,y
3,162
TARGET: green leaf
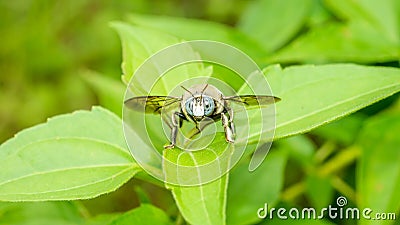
x,y
205,203
315,95
138,44
378,170
143,215
335,42
382,15
248,191
74,156
371,34
273,23
192,29
43,213
141,194
110,92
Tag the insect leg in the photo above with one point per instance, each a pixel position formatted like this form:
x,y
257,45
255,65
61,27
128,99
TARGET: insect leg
x,y
166,120
229,135
174,130
199,128
181,118
232,125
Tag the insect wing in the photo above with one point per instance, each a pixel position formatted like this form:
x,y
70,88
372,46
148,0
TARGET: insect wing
x,y
151,104
253,100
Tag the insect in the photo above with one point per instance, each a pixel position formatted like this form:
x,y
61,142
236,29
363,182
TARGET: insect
x,y
197,103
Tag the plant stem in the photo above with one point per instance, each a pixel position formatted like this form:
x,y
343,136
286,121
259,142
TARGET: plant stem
x,y
340,161
82,209
344,188
324,151
179,219
293,191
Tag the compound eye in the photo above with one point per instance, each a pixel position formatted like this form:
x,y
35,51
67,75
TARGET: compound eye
x,y
208,106
189,106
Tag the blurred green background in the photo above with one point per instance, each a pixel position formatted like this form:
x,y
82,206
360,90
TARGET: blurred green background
x,y
45,46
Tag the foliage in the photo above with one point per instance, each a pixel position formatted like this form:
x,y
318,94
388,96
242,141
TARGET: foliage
x,y
318,157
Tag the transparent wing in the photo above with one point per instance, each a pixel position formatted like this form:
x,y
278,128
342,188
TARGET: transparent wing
x,y
253,100
151,104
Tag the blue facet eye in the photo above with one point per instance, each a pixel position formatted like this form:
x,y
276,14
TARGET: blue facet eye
x,y
189,106
208,104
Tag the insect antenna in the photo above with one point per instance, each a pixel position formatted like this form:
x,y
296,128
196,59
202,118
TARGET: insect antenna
x,y
187,91
202,91
205,87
